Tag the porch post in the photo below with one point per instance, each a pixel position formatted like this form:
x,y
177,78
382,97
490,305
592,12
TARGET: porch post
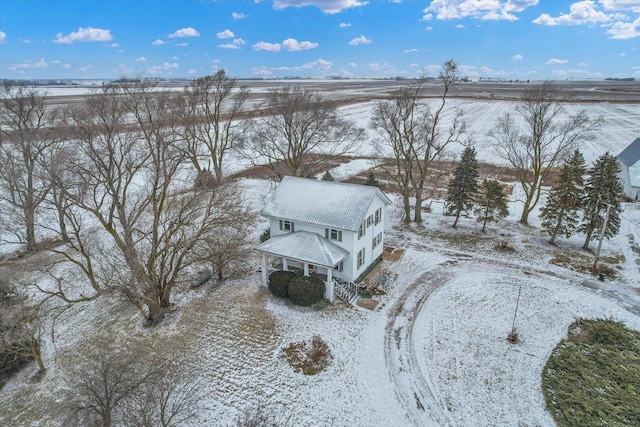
x,y
306,269
328,286
285,264
264,269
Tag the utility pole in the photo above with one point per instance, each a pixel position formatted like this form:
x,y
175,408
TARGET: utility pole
x,y
602,233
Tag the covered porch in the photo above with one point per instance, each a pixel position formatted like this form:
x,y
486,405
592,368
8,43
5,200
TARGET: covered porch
x,y
308,254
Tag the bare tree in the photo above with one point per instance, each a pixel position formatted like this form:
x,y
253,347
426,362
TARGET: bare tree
x,y
400,125
27,141
209,111
20,330
297,131
414,133
540,139
132,222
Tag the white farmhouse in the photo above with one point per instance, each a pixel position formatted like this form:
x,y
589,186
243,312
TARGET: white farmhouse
x,y
629,160
330,229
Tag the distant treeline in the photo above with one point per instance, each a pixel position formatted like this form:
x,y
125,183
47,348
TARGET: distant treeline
x,y
616,79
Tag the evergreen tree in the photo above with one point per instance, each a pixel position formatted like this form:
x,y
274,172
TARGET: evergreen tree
x,y
560,214
327,176
463,189
491,202
371,180
602,189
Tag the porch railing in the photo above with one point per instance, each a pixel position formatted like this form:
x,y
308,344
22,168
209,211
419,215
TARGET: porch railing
x,y
346,291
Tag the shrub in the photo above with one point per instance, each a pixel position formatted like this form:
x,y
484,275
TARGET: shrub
x,y
308,357
279,283
305,290
591,376
266,235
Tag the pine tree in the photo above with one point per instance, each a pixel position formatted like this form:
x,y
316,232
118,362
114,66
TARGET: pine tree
x,y
371,180
560,214
602,189
491,202
327,176
463,189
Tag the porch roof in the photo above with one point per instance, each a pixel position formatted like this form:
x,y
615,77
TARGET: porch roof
x,y
305,246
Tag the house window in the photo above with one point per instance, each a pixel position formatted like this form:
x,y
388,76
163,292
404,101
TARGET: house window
x,y
376,241
333,234
286,225
361,258
378,216
370,221
362,230
339,267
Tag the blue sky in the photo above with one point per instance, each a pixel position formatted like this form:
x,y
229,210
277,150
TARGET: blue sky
x,y
513,39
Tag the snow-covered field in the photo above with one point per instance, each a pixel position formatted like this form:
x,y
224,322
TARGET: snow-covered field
x,y
433,352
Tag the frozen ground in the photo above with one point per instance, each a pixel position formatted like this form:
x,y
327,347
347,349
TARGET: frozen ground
x,y
432,353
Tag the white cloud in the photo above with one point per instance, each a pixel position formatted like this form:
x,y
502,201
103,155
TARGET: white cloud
x,y
85,68
410,50
271,47
28,64
517,57
185,32
261,71
3,36
226,34
385,68
344,25
192,72
459,26
413,65
582,12
554,61
141,59
625,30
158,42
294,45
630,5
237,16
360,40
66,66
319,64
352,65
183,44
327,6
124,69
88,34
429,28
157,69
480,9
237,43
113,45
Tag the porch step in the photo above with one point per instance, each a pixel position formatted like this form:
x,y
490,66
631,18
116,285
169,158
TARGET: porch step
x,y
347,292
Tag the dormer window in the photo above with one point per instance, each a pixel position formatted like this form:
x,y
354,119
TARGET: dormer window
x,y
332,234
286,225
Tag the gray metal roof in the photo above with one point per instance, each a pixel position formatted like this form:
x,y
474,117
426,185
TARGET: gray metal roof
x,y
305,246
630,155
326,203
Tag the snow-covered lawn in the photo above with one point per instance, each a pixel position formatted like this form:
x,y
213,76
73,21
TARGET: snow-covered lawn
x,y
433,352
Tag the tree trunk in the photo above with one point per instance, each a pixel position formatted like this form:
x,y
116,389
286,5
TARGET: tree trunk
x,y
524,218
407,208
34,347
587,240
418,207
30,227
220,278
455,223
156,314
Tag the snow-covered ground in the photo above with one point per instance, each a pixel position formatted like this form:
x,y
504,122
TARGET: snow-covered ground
x,y
433,352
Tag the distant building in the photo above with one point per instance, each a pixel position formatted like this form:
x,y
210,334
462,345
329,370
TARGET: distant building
x,y
329,229
629,160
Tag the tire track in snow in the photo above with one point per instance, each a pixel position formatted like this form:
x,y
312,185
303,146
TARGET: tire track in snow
x,y
411,387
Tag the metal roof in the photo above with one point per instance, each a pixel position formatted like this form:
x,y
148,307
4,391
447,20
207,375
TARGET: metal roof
x,y
305,246
630,155
330,204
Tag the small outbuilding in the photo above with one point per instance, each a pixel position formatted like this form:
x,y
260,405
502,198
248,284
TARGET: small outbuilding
x,y
629,160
